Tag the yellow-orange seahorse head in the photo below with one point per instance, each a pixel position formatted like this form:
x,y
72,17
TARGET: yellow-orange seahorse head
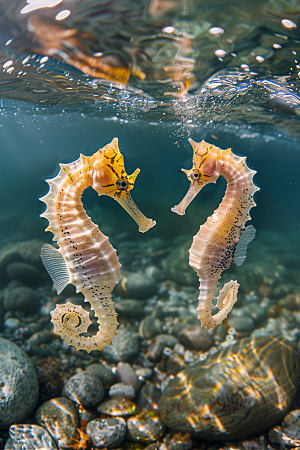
x,y
108,172
206,163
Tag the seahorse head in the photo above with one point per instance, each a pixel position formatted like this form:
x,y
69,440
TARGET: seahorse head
x,y
109,177
205,170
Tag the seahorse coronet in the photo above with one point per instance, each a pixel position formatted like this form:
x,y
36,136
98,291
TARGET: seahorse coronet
x,y
215,245
85,257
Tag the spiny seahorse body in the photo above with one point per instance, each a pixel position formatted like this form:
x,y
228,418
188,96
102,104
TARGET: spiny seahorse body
x,y
85,256
223,238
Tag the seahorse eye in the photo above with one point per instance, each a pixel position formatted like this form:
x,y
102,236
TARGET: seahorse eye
x,y
195,176
122,184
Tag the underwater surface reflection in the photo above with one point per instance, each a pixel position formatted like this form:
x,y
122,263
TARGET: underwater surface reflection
x,y
161,76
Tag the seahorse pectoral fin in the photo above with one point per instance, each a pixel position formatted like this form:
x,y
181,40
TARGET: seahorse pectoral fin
x,y
241,249
189,196
56,266
128,204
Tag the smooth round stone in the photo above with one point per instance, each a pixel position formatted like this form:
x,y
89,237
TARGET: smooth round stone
x,y
196,337
145,427
234,393
22,299
105,375
176,266
190,319
150,327
59,417
106,433
244,323
12,323
31,251
118,407
124,347
18,385
127,375
285,438
85,389
29,437
41,337
137,285
161,341
129,308
179,441
148,397
23,272
121,390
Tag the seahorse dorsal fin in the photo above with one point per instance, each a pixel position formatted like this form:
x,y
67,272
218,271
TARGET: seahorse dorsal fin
x,y
56,266
241,249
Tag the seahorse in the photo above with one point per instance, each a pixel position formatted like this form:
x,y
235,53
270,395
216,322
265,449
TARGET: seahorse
x,y
84,256
223,238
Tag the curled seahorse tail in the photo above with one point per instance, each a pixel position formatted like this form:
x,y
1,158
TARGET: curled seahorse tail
x,y
70,321
225,301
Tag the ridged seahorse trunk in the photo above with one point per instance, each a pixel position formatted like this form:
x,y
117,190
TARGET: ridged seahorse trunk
x,y
223,238
85,257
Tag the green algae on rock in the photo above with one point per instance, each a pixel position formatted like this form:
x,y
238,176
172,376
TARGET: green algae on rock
x,y
241,390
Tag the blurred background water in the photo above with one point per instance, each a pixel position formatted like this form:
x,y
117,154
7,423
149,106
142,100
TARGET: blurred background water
x,y
74,74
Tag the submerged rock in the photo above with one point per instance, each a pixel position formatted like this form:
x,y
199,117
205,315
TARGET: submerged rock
x,y
137,285
84,389
22,299
241,390
18,385
23,272
124,347
29,437
176,266
145,427
107,433
104,374
59,417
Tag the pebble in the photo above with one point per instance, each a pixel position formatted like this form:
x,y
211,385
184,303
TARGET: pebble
x,y
118,407
12,323
84,389
285,438
8,254
59,417
27,437
190,319
23,272
176,266
150,327
175,363
144,372
137,285
129,308
178,441
107,433
41,337
121,390
145,427
244,323
127,375
196,337
105,375
18,385
124,347
220,390
22,299
161,341
148,397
